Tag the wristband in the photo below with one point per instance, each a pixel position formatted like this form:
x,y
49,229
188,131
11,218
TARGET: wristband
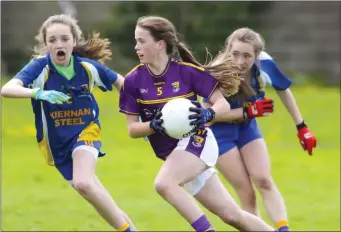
x,y
35,93
301,125
245,113
212,112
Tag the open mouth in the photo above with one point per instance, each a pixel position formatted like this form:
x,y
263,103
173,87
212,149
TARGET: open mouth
x,y
140,55
61,54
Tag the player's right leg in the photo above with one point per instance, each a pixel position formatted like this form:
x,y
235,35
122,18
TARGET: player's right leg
x,y
257,162
216,198
80,172
84,163
191,157
180,167
231,166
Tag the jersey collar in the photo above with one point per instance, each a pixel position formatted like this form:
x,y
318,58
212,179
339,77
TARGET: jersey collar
x,y
76,59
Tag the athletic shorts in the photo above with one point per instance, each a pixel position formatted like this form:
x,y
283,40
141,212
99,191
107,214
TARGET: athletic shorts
x,y
204,146
66,168
230,135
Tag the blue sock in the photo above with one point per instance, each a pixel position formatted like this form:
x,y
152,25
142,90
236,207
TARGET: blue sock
x,y
283,229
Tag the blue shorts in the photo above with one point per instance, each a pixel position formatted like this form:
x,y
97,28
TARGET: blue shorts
x,y
61,156
230,135
66,168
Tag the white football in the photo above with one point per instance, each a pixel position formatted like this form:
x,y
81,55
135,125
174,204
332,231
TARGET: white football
x,y
175,118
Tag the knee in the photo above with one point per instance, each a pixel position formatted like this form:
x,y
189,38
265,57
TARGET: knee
x,y
84,187
162,187
232,217
263,183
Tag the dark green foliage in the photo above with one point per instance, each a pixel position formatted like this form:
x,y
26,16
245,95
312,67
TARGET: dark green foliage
x,y
202,24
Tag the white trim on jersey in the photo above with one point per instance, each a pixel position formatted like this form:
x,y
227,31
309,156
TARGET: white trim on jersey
x,y
40,81
264,56
46,134
95,75
265,77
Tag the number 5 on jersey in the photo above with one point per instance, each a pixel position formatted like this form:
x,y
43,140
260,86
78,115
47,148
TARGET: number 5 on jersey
x,y
159,91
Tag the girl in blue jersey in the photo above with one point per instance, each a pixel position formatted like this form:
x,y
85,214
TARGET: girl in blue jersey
x,y
189,161
60,80
243,153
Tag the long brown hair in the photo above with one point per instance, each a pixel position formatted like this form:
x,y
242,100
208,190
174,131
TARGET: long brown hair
x,y
227,73
94,47
245,35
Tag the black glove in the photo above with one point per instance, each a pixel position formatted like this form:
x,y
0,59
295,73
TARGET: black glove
x,y
202,115
155,123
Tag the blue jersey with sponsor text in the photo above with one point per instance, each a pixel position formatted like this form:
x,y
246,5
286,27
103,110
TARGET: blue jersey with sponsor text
x,y
59,127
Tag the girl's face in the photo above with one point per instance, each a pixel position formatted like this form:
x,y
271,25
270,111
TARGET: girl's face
x,y
147,49
60,43
243,54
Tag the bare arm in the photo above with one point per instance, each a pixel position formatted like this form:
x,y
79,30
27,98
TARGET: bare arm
x,y
14,89
219,104
137,129
289,101
119,82
233,114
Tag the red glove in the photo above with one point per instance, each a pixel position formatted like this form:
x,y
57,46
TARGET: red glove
x,y
307,139
259,108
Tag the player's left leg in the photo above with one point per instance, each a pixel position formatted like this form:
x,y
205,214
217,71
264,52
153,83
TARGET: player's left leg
x,y
213,196
84,164
256,159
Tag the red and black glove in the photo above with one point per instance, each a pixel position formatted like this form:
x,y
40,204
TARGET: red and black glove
x,y
307,139
259,108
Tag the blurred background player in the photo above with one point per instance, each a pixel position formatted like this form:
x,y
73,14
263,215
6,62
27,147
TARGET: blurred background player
x,y
60,80
189,161
243,153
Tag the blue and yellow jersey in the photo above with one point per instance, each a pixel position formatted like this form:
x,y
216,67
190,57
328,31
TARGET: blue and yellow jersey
x,y
264,72
240,132
60,127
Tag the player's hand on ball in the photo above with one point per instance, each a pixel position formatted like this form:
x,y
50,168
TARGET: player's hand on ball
x,y
306,137
201,115
259,108
51,96
156,123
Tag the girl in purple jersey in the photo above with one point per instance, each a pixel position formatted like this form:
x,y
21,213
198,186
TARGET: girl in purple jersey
x,y
243,155
61,52
189,161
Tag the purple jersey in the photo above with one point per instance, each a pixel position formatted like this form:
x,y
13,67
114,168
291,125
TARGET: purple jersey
x,y
143,93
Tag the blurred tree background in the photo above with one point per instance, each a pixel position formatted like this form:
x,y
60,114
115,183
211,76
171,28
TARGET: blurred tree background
x,y
201,24
303,37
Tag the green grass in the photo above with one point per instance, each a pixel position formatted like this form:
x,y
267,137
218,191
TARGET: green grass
x,y
35,196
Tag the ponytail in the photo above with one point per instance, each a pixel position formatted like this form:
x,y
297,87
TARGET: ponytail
x,y
95,48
